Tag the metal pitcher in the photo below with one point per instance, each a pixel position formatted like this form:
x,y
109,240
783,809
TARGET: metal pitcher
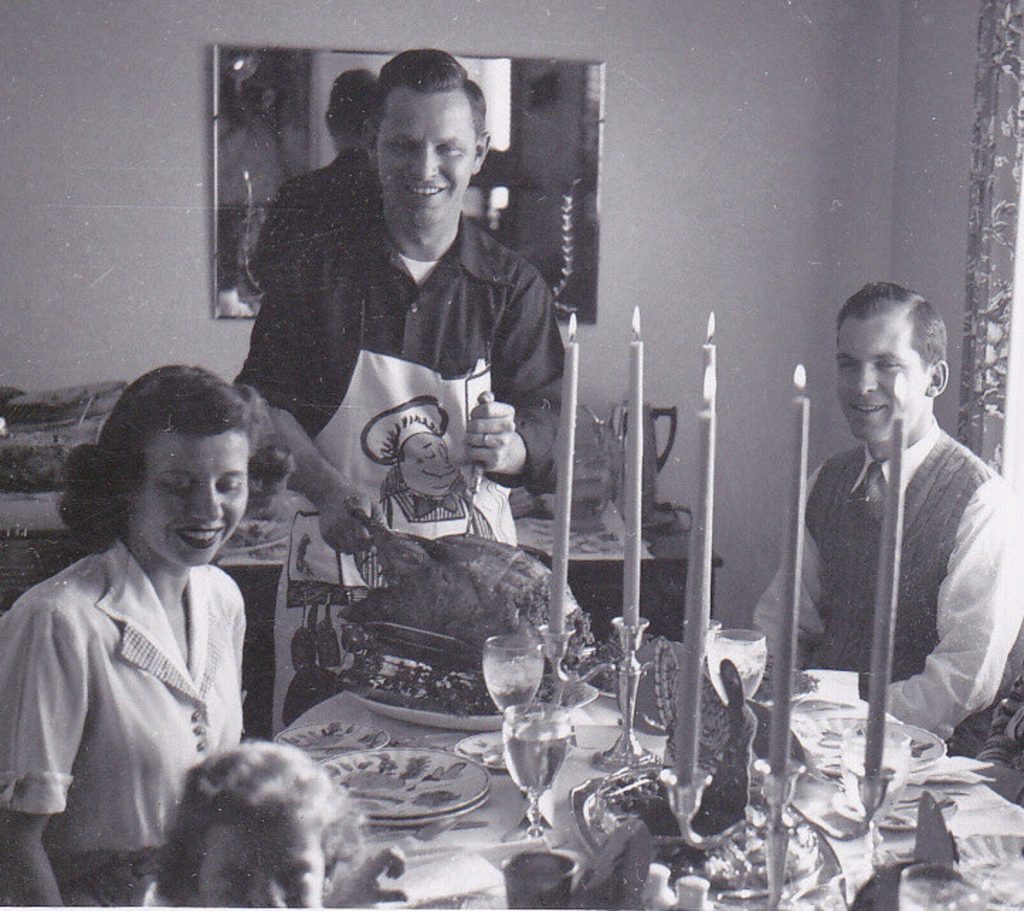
x,y
653,459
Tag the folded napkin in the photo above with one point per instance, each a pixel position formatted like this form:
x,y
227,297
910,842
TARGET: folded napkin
x,y
952,770
448,876
616,876
933,843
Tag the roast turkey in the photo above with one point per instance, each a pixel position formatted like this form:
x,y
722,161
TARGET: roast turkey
x,y
462,586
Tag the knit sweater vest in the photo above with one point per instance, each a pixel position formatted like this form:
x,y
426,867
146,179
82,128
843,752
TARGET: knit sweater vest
x,y
847,537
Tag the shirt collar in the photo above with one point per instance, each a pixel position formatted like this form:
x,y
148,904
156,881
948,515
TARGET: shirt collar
x,y
913,456
132,599
470,251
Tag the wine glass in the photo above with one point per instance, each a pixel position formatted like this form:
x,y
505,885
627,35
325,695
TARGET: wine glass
x,y
746,649
536,739
893,775
513,668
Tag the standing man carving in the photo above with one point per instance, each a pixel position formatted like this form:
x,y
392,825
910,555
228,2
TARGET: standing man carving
x,y
411,317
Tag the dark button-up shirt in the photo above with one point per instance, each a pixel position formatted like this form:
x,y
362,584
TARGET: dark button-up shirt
x,y
481,301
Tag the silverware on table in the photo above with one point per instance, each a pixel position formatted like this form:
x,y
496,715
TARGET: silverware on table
x,y
433,829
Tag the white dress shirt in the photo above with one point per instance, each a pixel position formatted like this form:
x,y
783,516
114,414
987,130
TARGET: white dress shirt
x,y
980,606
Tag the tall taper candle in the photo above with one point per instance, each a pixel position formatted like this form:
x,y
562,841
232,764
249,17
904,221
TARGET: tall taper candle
x,y
709,350
563,482
793,551
634,478
886,591
698,593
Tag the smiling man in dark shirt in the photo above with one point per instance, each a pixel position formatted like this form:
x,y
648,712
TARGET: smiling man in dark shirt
x,y
409,332
416,284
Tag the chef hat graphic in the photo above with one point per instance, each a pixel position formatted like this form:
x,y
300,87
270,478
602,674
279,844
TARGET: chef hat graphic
x,y
383,435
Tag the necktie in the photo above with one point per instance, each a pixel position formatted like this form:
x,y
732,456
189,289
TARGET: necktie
x,y
873,488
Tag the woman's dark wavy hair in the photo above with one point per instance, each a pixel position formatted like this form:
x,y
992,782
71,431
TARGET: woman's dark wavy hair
x,y
101,479
250,786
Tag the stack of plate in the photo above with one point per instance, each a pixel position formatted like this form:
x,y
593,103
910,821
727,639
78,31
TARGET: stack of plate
x,y
408,786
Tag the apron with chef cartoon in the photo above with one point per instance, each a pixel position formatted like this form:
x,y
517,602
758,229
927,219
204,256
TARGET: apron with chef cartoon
x,y
398,437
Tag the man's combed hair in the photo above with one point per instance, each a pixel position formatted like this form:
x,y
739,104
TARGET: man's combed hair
x,y
878,298
429,70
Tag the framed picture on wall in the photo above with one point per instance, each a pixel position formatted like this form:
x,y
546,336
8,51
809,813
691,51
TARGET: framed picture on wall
x,y
538,191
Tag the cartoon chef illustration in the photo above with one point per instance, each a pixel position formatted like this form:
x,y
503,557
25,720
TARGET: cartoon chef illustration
x,y
423,484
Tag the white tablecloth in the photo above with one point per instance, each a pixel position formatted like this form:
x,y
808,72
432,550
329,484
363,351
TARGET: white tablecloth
x,y
979,809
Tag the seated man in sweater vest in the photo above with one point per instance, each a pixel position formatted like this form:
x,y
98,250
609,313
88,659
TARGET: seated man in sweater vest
x,y
959,614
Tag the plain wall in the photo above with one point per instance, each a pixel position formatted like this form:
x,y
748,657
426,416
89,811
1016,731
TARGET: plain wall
x,y
736,177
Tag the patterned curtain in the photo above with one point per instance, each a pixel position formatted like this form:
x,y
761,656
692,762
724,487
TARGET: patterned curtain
x,y
994,193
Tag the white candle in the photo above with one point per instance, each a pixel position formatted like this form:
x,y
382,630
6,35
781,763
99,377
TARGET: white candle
x,y
886,591
698,593
563,483
793,548
634,478
709,350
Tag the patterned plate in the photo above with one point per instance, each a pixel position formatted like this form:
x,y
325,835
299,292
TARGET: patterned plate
x,y
402,784
484,748
322,741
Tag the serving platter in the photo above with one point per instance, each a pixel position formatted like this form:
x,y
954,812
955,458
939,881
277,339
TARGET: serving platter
x,y
451,722
578,696
593,824
326,739
407,784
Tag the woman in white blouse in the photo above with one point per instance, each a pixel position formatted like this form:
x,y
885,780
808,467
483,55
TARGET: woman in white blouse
x,y
123,671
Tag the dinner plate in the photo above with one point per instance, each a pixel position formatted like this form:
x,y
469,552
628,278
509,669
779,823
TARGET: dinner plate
x,y
485,748
405,784
822,740
326,739
901,816
577,696
411,822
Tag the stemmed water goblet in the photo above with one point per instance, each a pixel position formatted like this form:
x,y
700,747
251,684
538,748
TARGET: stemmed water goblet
x,y
535,738
867,798
513,668
747,649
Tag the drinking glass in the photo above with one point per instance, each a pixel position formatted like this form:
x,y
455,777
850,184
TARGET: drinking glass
x,y
513,669
535,738
894,772
935,887
745,648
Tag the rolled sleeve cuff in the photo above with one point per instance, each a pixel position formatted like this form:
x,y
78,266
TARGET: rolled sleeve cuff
x,y
44,793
